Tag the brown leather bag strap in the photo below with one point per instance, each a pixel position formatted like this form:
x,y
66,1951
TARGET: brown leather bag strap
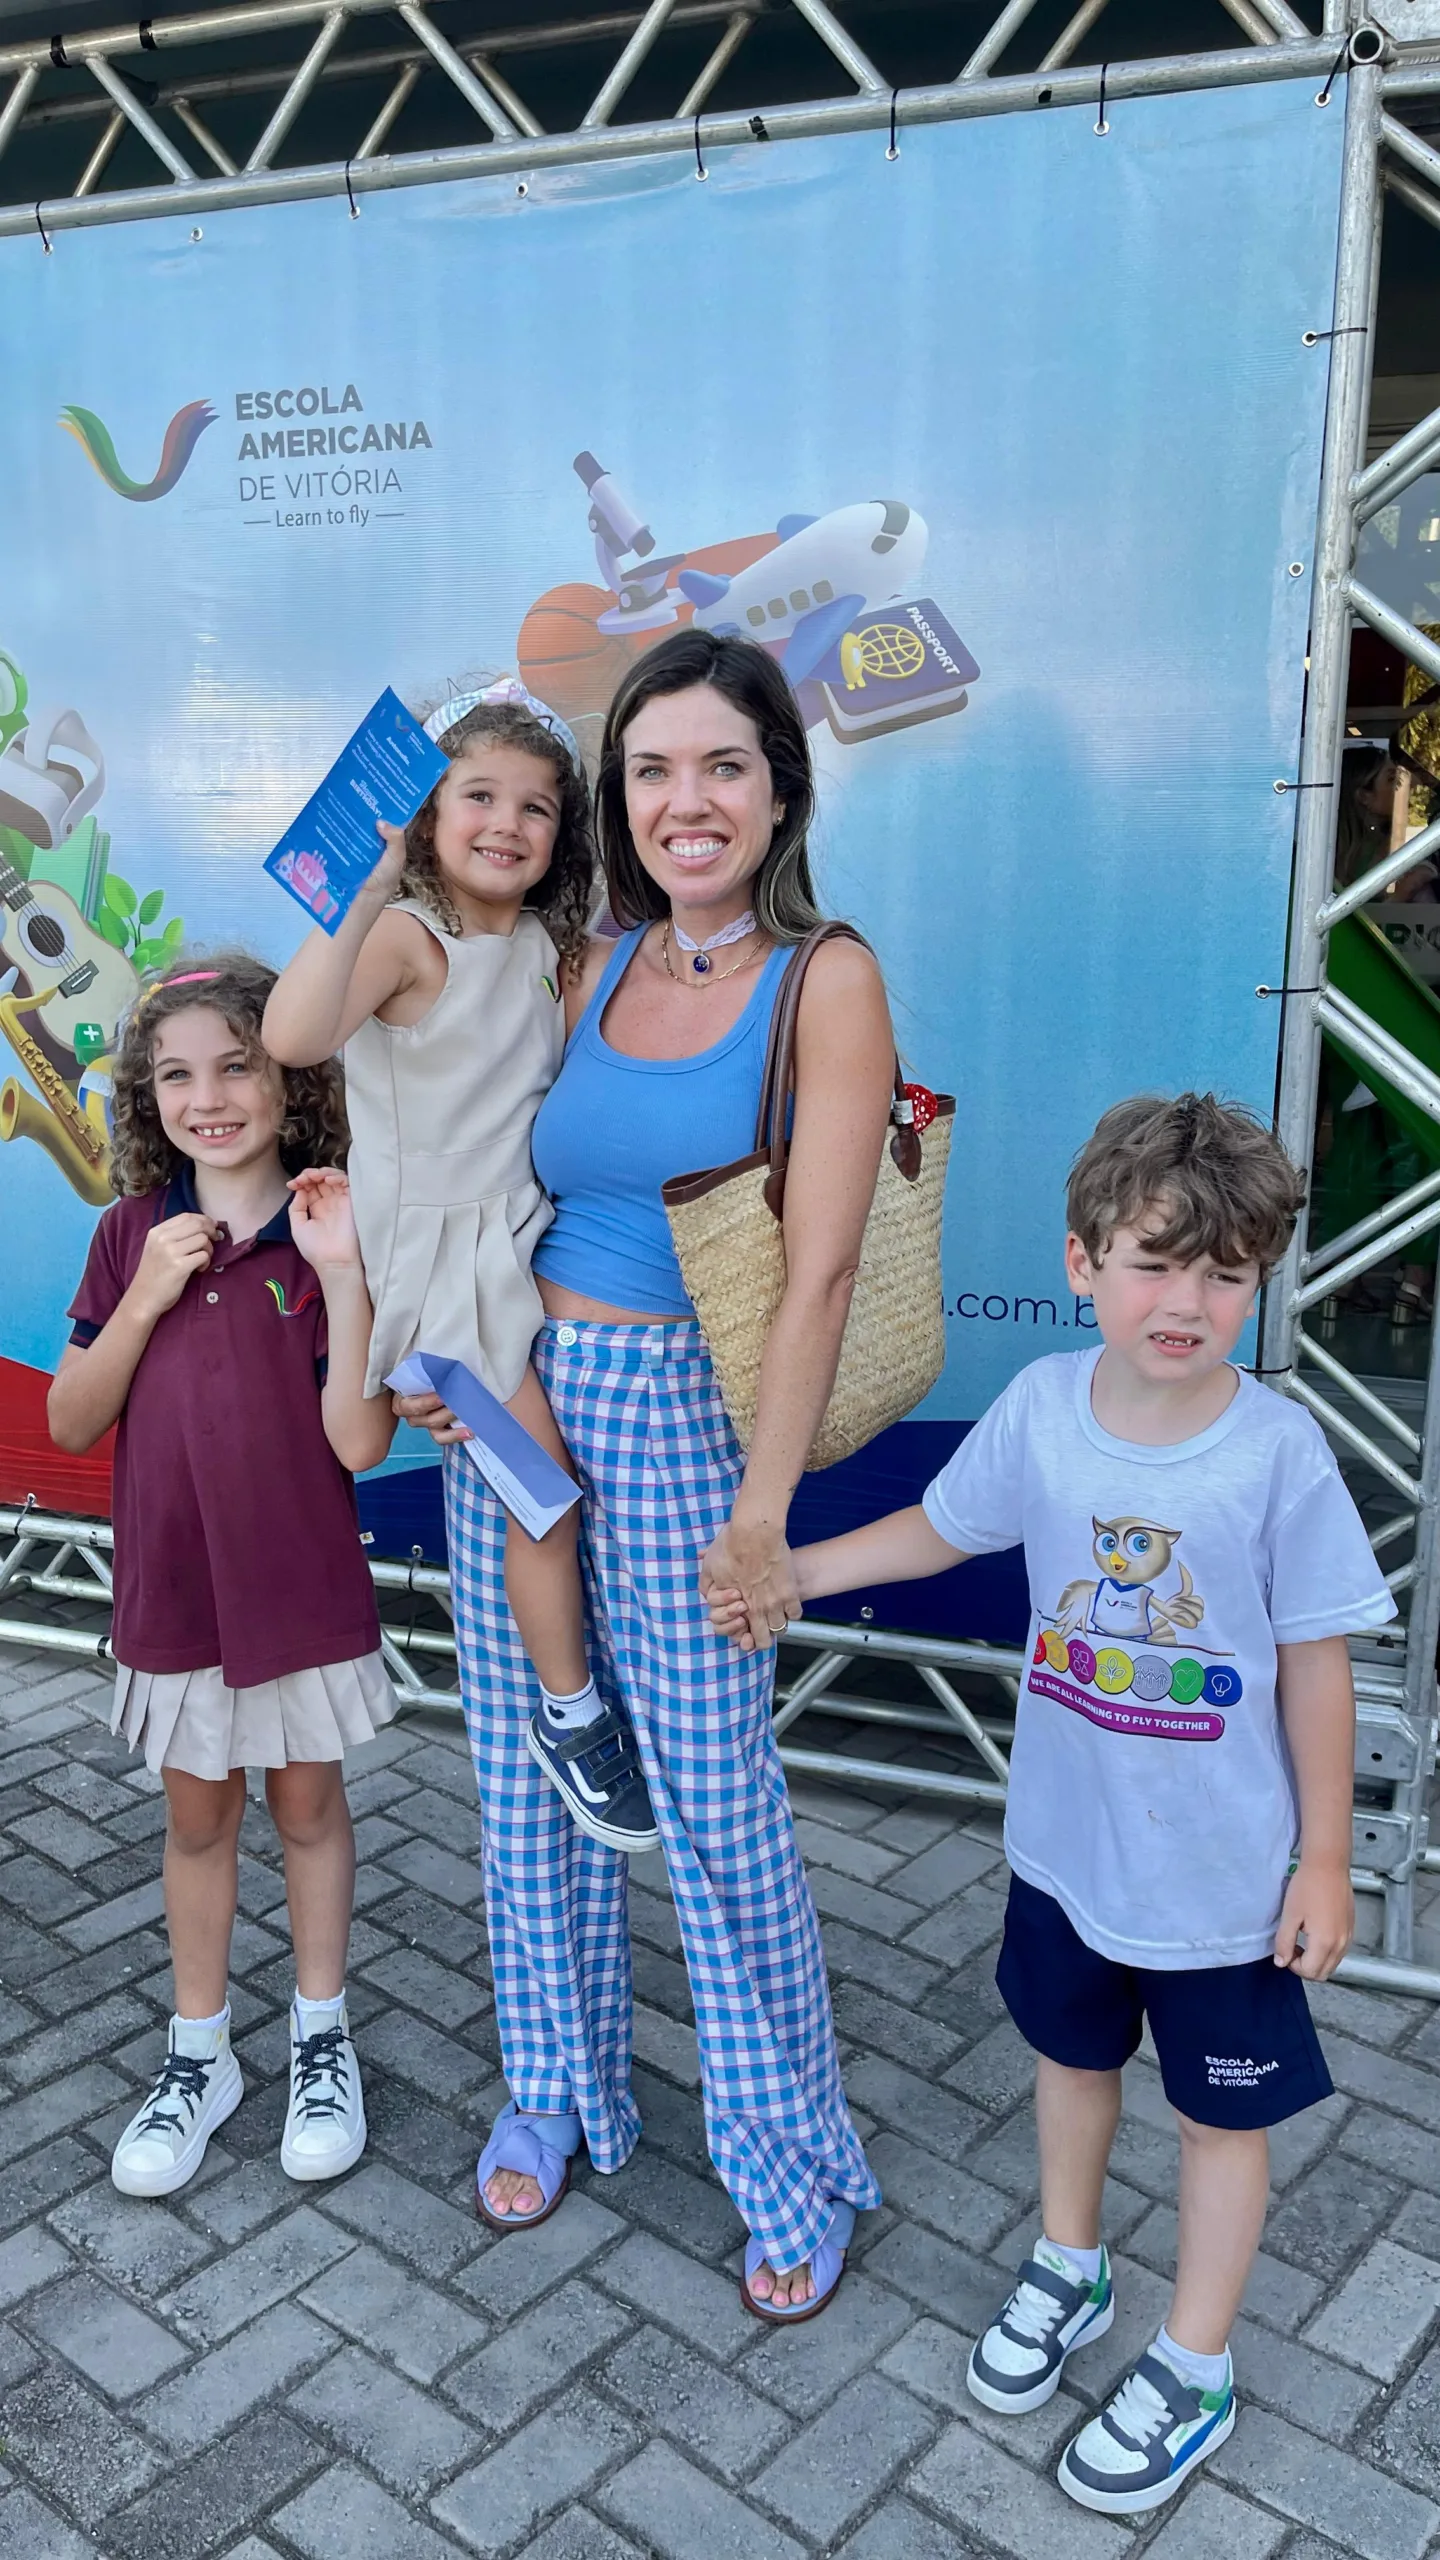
x,y
778,1076
777,1082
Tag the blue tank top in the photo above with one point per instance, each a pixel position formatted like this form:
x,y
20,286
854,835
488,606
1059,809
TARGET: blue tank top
x,y
612,1129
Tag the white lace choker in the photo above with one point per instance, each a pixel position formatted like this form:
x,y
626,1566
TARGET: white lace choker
x,y
700,951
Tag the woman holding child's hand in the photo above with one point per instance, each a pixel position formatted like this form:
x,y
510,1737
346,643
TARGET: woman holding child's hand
x,y
704,798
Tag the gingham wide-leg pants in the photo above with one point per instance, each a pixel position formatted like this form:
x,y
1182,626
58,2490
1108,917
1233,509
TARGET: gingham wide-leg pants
x,y
643,1419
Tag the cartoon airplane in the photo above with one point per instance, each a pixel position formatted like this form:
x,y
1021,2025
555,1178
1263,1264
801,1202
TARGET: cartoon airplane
x,y
825,572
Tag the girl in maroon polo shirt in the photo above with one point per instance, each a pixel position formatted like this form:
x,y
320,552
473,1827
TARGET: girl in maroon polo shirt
x,y
223,1322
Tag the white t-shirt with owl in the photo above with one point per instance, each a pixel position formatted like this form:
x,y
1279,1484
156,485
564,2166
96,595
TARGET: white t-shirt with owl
x,y
1150,1787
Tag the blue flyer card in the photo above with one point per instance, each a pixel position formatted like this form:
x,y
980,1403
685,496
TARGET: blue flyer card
x,y
514,1465
388,770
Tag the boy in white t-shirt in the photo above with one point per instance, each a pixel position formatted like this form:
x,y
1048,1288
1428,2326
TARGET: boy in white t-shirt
x,y
1178,1821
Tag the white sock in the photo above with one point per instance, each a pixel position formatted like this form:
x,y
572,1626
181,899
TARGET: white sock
x,y
1081,2265
581,1707
1203,2373
199,2037
314,2016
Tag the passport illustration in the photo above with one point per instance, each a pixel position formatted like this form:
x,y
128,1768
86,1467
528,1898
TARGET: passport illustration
x,y
899,665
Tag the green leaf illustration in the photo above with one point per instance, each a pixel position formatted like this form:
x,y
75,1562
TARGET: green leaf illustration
x,y
174,934
114,928
150,907
149,955
119,896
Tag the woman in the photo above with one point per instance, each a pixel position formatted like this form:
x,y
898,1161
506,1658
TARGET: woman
x,y
704,799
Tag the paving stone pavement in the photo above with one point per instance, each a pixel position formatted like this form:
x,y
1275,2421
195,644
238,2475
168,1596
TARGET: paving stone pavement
x,y
359,2371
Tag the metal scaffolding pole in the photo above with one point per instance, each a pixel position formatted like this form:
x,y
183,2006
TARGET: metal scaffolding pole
x,y
520,156
1350,493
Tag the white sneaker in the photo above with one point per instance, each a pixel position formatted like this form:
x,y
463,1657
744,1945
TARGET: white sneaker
x,y
325,2129
164,2143
1018,2362
1144,2445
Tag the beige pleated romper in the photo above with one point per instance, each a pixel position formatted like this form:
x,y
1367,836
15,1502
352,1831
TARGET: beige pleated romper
x,y
446,1202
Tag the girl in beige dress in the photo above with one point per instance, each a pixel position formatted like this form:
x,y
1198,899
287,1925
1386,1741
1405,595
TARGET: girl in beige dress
x,y
442,985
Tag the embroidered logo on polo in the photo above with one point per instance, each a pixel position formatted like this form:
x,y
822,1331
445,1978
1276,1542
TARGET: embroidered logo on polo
x,y
278,1294
551,989
1132,1687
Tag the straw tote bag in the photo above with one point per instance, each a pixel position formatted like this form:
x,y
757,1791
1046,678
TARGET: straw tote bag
x,y
726,1226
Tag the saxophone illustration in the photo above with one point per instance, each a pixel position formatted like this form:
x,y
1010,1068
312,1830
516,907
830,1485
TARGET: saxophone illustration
x,y
57,1121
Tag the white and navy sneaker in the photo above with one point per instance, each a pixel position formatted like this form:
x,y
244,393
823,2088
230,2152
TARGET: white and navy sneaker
x,y
595,1769
1145,2445
164,2143
325,2128
1018,2363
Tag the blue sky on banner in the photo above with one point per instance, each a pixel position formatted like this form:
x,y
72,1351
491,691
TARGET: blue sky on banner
x,y
1077,360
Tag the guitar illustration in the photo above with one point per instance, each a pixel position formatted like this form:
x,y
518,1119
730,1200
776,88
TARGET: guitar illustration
x,y
45,937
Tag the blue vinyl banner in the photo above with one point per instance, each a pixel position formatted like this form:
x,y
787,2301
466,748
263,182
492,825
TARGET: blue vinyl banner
x,y
1007,447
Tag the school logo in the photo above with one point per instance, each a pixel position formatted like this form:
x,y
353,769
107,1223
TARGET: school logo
x,y
278,1294
181,437
1123,1647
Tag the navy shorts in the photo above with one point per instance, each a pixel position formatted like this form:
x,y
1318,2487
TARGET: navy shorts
x,y
1236,2043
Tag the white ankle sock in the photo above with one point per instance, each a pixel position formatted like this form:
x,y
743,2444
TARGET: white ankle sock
x,y
1203,2373
582,1707
1083,2265
314,2016
197,2036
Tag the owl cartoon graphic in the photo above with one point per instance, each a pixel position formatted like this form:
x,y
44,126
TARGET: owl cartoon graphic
x,y
1132,1555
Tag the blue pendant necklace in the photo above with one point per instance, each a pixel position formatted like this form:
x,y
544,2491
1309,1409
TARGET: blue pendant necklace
x,y
699,952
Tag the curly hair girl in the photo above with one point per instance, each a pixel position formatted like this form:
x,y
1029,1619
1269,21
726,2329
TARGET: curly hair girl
x,y
236,986
564,897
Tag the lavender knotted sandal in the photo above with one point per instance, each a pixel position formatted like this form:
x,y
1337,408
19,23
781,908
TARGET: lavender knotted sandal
x,y
827,2266
538,2147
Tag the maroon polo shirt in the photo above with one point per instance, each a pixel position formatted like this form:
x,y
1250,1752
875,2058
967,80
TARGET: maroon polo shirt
x,y
236,1537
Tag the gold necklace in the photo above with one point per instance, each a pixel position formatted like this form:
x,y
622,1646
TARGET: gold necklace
x,y
713,977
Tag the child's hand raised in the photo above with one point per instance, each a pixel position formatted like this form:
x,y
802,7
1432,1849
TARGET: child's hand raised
x,y
174,1251
1319,1901
388,871
322,1221
729,1617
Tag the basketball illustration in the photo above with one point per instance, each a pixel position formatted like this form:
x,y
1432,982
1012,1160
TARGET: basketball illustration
x,y
574,666
564,658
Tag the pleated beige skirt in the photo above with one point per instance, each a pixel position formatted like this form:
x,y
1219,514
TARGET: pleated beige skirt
x,y
190,1720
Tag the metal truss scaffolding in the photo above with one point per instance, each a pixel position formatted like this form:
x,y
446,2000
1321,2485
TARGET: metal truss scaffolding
x,y
1360,73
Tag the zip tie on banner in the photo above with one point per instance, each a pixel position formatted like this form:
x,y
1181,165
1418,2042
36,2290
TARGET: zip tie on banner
x,y
894,150
700,169
58,54
1322,96
1102,124
46,242
349,190
146,33
1290,991
1314,337
1280,788
757,127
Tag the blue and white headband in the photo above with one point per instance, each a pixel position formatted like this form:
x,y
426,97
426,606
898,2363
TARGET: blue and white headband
x,y
506,689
